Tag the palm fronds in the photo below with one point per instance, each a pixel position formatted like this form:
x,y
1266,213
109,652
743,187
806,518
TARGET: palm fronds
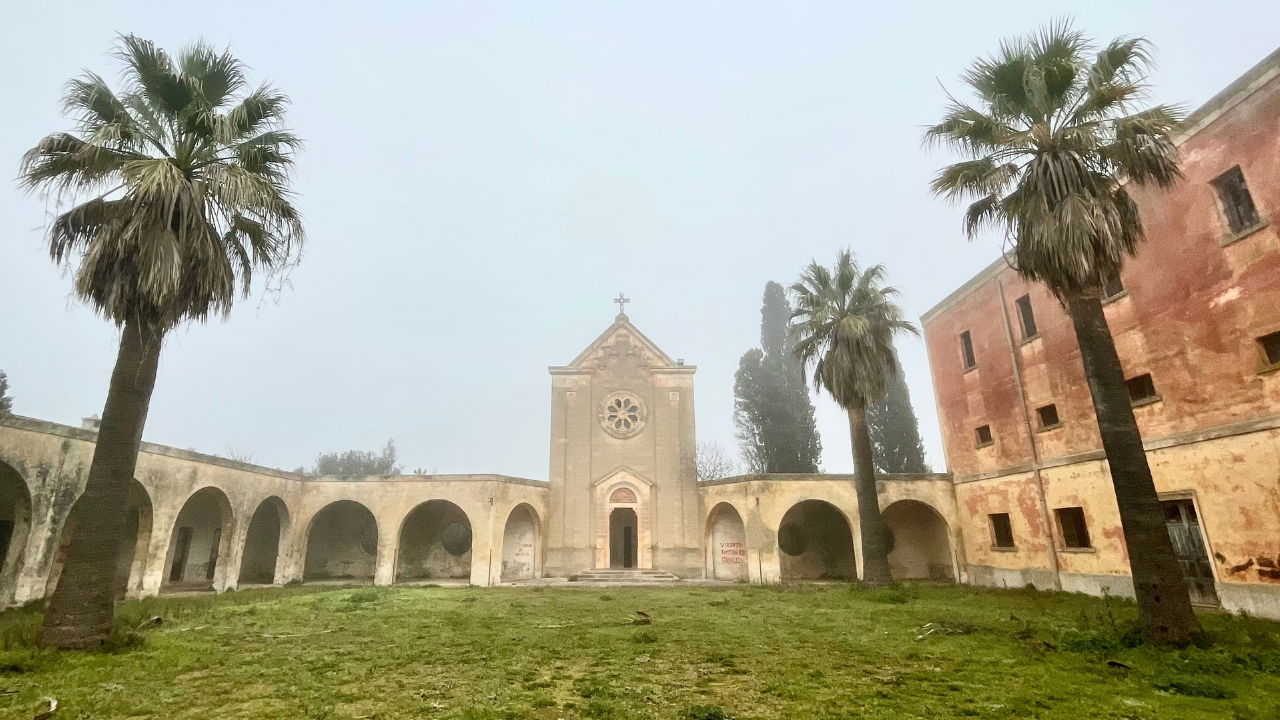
x,y
1052,134
842,325
178,184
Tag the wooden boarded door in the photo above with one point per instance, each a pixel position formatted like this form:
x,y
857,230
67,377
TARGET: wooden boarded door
x,y
1188,546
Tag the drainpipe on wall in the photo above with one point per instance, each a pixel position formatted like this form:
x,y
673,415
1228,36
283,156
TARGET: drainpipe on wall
x,y
1016,362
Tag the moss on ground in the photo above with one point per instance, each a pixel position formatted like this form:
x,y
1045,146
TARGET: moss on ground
x,y
710,654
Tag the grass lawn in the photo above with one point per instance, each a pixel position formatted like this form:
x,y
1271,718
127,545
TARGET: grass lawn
x,y
741,652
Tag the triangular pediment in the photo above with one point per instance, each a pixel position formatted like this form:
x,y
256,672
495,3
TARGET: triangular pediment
x,y
622,344
622,473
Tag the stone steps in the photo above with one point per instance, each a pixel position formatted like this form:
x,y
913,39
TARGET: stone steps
x,y
625,577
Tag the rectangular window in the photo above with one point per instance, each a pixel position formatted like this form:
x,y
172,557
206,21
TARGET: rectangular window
x,y
1001,530
984,435
1113,287
1270,348
1075,533
966,350
1237,203
1048,416
1141,389
1027,317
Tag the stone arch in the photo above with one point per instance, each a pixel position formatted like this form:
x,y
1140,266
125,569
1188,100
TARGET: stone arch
x,y
816,543
342,543
920,542
435,542
726,543
131,555
199,542
623,525
521,544
15,525
267,529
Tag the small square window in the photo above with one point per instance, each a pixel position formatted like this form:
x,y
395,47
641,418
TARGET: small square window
x,y
1113,287
984,435
1141,389
966,351
1270,348
1001,530
1075,532
1026,316
1237,203
1048,416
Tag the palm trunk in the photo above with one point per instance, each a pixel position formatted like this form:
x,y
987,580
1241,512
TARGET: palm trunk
x,y
80,611
875,546
1163,600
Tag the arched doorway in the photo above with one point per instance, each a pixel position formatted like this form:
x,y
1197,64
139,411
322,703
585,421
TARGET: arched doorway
x,y
198,544
816,543
15,522
520,544
262,542
342,543
131,555
624,528
920,542
726,544
435,542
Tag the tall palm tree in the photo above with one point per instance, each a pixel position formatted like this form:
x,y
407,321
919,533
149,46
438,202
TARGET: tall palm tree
x,y
843,325
178,193
1051,139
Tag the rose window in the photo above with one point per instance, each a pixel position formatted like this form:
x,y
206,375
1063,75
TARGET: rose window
x,y
622,414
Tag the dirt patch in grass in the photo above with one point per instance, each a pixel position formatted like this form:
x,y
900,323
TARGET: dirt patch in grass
x,y
750,653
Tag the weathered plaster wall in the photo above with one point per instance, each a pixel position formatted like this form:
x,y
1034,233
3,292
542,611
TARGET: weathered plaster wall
x,y
43,467
1196,299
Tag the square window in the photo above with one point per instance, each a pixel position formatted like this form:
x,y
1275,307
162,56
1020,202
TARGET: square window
x,y
1113,287
984,435
1026,316
1048,416
1141,389
1237,203
1075,532
1270,348
1001,530
966,351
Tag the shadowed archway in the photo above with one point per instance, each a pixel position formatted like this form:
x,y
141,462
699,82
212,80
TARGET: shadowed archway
x,y
816,543
920,542
435,542
199,541
135,541
15,523
261,554
342,543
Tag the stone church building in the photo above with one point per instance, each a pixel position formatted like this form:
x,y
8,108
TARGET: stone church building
x,y
621,502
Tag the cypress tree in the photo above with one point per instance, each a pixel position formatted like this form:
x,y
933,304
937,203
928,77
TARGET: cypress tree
x,y
895,431
772,412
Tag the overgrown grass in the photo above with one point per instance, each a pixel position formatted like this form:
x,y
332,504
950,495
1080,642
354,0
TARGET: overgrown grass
x,y
807,651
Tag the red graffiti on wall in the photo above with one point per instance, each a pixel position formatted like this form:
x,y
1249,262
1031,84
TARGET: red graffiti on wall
x,y
733,553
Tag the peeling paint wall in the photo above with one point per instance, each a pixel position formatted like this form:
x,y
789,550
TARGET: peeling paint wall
x,y
1197,297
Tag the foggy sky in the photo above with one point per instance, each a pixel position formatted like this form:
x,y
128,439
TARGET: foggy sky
x,y
480,179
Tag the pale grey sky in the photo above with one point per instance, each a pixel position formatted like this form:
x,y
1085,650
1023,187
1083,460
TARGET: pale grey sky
x,y
481,178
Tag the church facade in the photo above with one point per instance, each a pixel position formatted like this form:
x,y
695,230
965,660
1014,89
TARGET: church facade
x,y
622,498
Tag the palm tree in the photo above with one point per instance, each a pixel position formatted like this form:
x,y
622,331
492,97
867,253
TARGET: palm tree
x,y
843,325
178,187
1050,142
